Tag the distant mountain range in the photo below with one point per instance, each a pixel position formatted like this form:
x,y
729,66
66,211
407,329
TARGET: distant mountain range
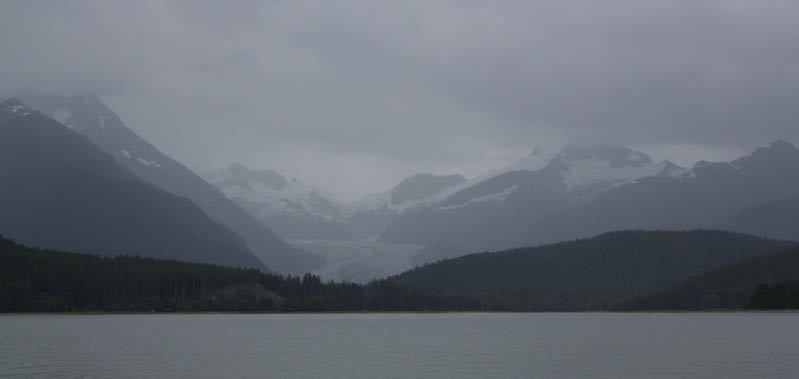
x,y
721,195
59,191
91,118
576,192
88,184
490,212
583,191
427,209
548,196
298,210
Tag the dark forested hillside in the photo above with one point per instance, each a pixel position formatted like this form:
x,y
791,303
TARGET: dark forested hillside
x,y
587,274
50,281
781,295
593,274
731,286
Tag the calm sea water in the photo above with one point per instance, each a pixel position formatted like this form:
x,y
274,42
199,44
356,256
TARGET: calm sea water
x,y
457,345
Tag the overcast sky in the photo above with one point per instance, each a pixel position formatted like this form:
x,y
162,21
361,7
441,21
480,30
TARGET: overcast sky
x,y
356,95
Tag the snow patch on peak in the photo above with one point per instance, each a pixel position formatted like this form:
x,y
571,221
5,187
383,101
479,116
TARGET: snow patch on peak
x,y
537,160
96,106
378,201
585,172
274,193
371,202
64,116
498,197
399,207
13,106
125,153
672,170
701,164
616,156
147,163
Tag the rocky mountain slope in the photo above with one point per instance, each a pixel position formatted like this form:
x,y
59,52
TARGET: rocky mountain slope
x,y
59,191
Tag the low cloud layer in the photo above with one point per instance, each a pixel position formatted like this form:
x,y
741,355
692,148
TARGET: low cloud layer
x,y
357,94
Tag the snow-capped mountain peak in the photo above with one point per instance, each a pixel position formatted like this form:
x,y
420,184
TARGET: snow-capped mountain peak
x,y
670,169
292,208
483,211
367,218
572,169
616,156
779,156
582,166
272,189
535,161
409,193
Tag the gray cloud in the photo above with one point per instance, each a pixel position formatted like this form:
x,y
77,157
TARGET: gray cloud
x,y
357,94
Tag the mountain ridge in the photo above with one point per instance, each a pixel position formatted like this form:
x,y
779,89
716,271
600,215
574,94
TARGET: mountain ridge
x,y
63,192
707,195
89,116
491,211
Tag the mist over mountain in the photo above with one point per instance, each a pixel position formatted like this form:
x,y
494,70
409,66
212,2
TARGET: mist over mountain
x,y
90,117
59,191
